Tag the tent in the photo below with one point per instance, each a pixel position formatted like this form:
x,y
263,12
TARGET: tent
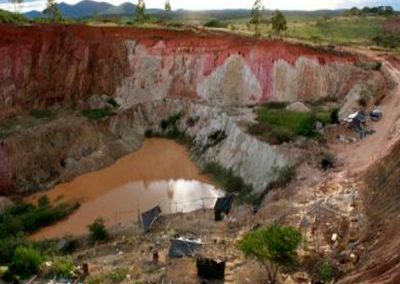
x,y
181,247
223,205
210,269
150,217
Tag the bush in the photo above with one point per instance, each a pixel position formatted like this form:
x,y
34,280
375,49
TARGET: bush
x,y
62,267
26,262
326,272
273,246
113,103
98,231
335,116
43,202
215,24
8,246
170,128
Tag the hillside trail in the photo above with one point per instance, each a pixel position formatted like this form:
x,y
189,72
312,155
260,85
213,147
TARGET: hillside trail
x,y
358,156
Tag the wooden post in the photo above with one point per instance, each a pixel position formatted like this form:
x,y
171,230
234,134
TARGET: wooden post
x,y
139,218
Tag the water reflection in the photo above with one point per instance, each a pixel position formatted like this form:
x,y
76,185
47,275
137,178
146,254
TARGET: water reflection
x,y
161,173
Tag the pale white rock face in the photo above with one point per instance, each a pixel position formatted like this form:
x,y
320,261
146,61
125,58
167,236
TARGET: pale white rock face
x,y
350,104
256,162
149,80
308,79
233,83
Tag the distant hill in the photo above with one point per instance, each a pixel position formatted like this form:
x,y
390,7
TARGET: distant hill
x,y
83,9
123,9
89,8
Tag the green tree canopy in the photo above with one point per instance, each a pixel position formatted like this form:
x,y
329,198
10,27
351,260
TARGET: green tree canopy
x,y
52,11
256,17
273,246
279,23
167,9
141,11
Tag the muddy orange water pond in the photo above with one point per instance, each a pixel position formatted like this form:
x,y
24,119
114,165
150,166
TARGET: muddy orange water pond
x,y
160,173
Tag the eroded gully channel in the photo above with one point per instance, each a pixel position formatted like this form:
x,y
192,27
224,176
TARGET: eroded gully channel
x,y
160,173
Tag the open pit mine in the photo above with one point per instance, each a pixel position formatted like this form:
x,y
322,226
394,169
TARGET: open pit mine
x,y
95,114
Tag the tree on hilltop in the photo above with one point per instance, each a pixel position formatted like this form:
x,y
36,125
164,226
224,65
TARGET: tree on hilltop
x,y
279,23
256,17
141,11
52,11
167,9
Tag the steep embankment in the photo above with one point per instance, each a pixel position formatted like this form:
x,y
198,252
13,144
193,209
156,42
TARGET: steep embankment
x,y
379,156
59,66
41,65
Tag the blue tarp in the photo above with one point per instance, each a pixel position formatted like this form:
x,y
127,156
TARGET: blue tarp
x,y
149,217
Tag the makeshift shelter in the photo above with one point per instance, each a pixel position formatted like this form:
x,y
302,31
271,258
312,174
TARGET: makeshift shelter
x,y
181,247
357,121
210,269
223,205
150,217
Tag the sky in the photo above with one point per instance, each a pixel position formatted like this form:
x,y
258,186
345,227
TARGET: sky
x,y
226,4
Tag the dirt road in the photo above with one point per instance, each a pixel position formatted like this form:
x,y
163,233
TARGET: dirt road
x,y
360,155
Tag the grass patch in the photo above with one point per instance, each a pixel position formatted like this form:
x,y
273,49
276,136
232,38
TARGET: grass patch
x,y
116,276
278,125
229,182
300,123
